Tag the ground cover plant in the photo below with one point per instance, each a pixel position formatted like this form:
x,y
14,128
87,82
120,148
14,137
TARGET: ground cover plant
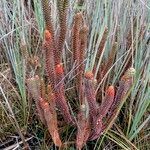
x,y
74,74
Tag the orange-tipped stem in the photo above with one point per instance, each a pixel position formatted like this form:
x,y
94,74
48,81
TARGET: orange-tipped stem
x,y
107,102
111,91
59,69
89,75
102,112
51,120
47,35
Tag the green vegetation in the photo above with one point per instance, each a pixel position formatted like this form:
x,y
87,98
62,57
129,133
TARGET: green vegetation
x,y
74,46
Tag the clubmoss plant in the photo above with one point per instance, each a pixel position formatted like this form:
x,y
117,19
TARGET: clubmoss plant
x,y
92,117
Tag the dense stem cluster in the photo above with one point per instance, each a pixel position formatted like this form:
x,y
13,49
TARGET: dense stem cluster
x,y
92,117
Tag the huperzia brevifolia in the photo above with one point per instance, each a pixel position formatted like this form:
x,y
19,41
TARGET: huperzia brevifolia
x,y
92,118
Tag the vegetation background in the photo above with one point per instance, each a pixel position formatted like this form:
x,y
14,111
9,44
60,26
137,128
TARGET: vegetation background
x,y
21,35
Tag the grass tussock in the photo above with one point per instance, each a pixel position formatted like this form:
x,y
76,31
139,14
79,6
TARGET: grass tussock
x,y
74,74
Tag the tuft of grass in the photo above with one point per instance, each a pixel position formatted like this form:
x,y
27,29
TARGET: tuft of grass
x,y
21,32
